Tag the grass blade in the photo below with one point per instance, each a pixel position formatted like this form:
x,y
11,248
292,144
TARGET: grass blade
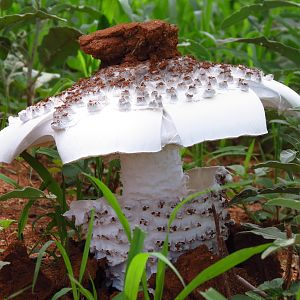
x,y
68,265
160,273
88,295
27,192
136,245
286,51
9,181
289,167
248,157
220,267
38,262
87,244
61,293
113,202
23,218
284,202
248,10
212,294
135,272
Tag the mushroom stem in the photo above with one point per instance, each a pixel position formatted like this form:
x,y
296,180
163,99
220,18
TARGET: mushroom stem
x,y
153,176
153,184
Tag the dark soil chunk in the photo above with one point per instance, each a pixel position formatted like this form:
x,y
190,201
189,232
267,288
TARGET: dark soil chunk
x,y
189,266
19,274
52,276
132,42
57,272
261,270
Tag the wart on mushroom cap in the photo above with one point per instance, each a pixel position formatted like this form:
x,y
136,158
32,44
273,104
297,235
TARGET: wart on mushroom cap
x,y
144,104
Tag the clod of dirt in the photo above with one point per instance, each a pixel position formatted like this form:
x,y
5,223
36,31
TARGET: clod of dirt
x,y
260,269
19,274
56,270
189,266
52,276
132,43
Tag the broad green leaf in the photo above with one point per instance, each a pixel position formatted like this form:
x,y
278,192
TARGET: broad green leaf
x,y
4,224
269,233
58,44
5,45
286,51
113,202
220,267
289,167
27,192
52,153
254,296
212,294
287,156
50,182
284,202
278,244
253,192
9,181
135,272
19,19
248,10
271,285
66,7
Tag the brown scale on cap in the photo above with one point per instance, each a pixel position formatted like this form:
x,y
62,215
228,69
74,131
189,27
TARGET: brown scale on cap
x,y
132,43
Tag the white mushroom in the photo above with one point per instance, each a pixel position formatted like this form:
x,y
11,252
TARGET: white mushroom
x,y
145,112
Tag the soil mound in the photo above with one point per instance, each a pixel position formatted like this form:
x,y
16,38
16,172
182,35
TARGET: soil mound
x,y
190,265
18,275
132,43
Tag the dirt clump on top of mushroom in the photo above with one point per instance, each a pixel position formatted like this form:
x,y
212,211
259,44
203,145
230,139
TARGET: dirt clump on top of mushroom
x,y
132,43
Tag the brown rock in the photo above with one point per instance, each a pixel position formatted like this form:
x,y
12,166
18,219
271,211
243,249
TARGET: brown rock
x,y
132,42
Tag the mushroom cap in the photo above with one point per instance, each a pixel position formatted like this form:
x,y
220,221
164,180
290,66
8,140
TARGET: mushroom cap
x,y
143,105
